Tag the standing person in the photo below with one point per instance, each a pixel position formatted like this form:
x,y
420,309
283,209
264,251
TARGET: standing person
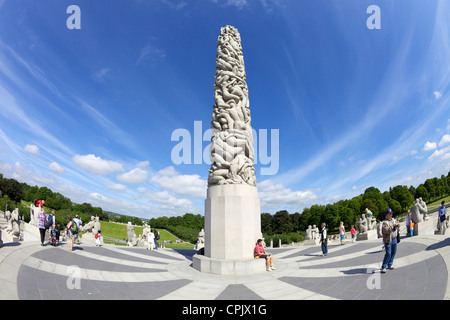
x,y
72,229
39,203
408,223
342,232
51,219
260,252
151,240
156,238
353,232
324,240
58,231
441,221
42,217
389,231
79,223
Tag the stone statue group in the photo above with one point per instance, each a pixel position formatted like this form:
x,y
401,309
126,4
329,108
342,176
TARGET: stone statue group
x,y
141,241
368,222
13,227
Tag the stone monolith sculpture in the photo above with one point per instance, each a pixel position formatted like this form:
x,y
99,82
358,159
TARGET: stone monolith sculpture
x,y
232,207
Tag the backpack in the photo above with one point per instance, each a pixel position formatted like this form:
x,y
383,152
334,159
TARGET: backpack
x,y
74,227
47,224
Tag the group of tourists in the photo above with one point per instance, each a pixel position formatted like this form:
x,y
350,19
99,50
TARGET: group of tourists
x,y
389,230
48,222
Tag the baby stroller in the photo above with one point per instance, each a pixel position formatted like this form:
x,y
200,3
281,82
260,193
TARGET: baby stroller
x,y
53,236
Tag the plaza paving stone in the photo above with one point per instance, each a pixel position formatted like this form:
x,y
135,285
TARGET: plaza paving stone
x,y
29,271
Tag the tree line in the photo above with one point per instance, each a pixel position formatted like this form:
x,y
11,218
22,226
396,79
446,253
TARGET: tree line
x,y
399,199
283,225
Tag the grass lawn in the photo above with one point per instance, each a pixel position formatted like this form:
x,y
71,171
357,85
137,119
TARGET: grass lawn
x,y
119,231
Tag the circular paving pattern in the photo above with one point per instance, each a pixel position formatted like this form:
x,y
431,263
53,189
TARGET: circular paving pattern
x,y
349,271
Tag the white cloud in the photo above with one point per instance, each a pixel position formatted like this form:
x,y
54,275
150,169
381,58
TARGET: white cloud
x,y
141,189
56,168
143,164
100,75
97,165
135,176
430,146
445,140
186,185
413,152
150,53
116,187
274,195
32,149
437,95
440,153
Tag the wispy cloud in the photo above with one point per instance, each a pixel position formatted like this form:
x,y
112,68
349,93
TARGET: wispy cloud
x,y
150,54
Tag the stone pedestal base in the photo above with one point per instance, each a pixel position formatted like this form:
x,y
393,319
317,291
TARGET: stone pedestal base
x,y
232,227
369,235
311,242
228,267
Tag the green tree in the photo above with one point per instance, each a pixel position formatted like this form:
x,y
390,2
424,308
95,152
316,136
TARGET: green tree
x,y
422,192
282,223
295,220
304,219
396,207
331,216
316,212
403,196
11,188
266,223
431,188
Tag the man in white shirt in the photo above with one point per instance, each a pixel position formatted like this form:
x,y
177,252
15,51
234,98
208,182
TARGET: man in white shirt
x,y
324,240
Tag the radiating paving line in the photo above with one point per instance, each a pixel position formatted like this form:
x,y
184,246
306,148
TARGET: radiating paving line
x,y
130,263
101,275
198,290
275,289
331,250
11,258
331,259
347,271
139,255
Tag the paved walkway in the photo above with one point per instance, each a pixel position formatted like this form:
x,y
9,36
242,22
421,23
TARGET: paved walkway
x,y
29,271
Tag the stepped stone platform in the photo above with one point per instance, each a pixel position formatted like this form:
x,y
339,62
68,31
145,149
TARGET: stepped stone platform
x,y
29,271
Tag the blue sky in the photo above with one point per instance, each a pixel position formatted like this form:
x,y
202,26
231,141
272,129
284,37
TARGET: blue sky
x,y
90,113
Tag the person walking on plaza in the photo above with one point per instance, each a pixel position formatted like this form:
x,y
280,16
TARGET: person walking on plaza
x,y
389,231
42,217
442,217
342,232
353,232
72,229
408,223
324,240
156,238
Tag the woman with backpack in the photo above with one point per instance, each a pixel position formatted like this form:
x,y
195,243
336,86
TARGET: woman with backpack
x,y
41,225
72,228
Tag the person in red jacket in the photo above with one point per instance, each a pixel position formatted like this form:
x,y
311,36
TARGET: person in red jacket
x,y
261,253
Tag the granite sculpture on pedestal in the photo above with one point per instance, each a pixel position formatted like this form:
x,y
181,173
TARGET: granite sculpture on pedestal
x,y
419,213
366,228
232,207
